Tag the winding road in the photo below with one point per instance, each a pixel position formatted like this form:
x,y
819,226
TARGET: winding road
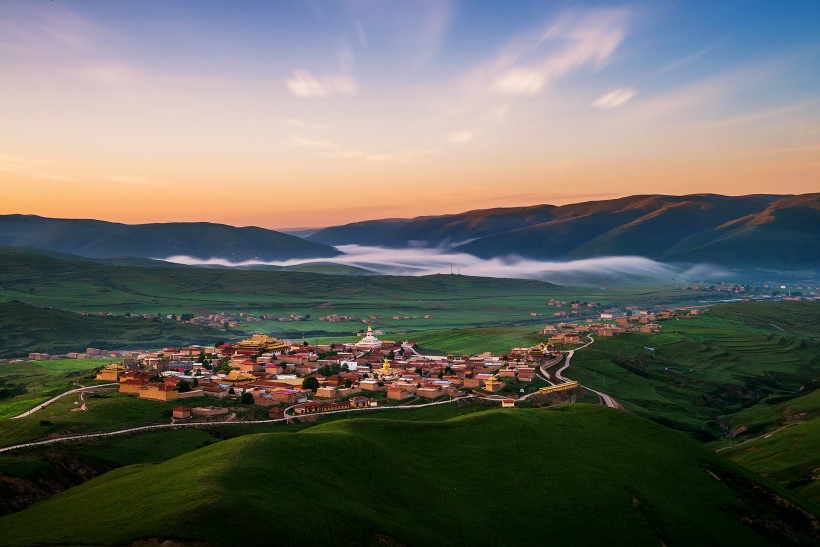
x,y
209,424
605,398
61,395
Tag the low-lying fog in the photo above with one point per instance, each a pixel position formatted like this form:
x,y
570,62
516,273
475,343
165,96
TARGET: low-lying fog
x,y
426,261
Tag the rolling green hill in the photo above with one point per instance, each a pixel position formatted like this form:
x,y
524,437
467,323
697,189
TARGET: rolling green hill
x,y
204,240
25,329
574,475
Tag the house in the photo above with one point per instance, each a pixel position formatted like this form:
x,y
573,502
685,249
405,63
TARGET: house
x,y
327,391
181,412
288,396
398,393
111,372
370,385
159,391
276,414
507,403
429,392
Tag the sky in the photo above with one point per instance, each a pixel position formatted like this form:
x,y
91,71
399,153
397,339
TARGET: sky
x,y
315,113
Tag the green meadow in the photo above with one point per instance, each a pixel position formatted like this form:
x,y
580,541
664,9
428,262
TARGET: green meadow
x,y
701,371
26,384
590,474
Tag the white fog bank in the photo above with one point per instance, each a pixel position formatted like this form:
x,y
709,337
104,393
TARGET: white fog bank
x,y
421,261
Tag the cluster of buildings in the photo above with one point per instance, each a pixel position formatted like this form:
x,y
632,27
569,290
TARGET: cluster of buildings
x,y
276,374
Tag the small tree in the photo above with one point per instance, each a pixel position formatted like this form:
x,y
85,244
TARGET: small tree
x,y
184,386
310,383
348,382
231,391
246,398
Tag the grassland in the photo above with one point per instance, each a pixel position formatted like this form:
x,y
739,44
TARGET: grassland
x,y
790,454
454,301
591,475
27,384
25,329
705,370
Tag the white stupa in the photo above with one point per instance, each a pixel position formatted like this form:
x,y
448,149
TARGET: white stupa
x,y
369,341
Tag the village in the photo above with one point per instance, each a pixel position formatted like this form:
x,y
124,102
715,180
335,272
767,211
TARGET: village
x,y
296,379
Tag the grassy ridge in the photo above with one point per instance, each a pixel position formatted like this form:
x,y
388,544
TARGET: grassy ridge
x,y
789,455
25,329
470,480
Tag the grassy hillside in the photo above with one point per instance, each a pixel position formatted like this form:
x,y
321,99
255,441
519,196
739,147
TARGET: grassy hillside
x,y
786,234
469,480
704,370
790,454
204,240
25,329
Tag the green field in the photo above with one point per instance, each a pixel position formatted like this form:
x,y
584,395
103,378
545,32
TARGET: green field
x,y
454,301
470,480
704,370
24,385
790,454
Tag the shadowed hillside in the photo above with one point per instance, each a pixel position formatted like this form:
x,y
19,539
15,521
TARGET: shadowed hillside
x,y
25,329
590,475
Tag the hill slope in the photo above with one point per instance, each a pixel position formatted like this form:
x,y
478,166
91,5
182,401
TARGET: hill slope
x,y
25,328
204,240
492,478
755,231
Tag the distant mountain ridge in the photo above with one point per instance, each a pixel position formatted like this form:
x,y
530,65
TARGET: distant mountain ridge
x,y
202,240
740,231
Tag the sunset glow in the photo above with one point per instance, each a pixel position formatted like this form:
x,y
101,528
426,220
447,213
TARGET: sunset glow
x,y
298,114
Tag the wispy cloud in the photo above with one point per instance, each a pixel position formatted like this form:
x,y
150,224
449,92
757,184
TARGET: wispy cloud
x,y
461,137
683,62
572,41
753,117
615,98
303,124
361,34
426,261
304,84
311,143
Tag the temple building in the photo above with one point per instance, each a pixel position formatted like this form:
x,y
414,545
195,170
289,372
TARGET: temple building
x,y
386,369
493,384
262,342
369,341
111,372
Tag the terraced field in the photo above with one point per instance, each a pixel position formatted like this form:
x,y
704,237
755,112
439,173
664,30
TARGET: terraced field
x,y
702,371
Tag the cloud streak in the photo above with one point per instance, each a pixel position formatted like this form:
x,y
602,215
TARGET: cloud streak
x,y
615,98
574,40
426,261
303,83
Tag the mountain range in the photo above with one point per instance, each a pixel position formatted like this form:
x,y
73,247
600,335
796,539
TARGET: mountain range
x,y
202,240
780,232
771,232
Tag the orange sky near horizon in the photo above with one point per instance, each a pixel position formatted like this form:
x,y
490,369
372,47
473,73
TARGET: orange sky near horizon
x,y
373,110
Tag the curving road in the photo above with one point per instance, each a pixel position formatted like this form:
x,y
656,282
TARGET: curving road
x,y
607,399
209,424
61,395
